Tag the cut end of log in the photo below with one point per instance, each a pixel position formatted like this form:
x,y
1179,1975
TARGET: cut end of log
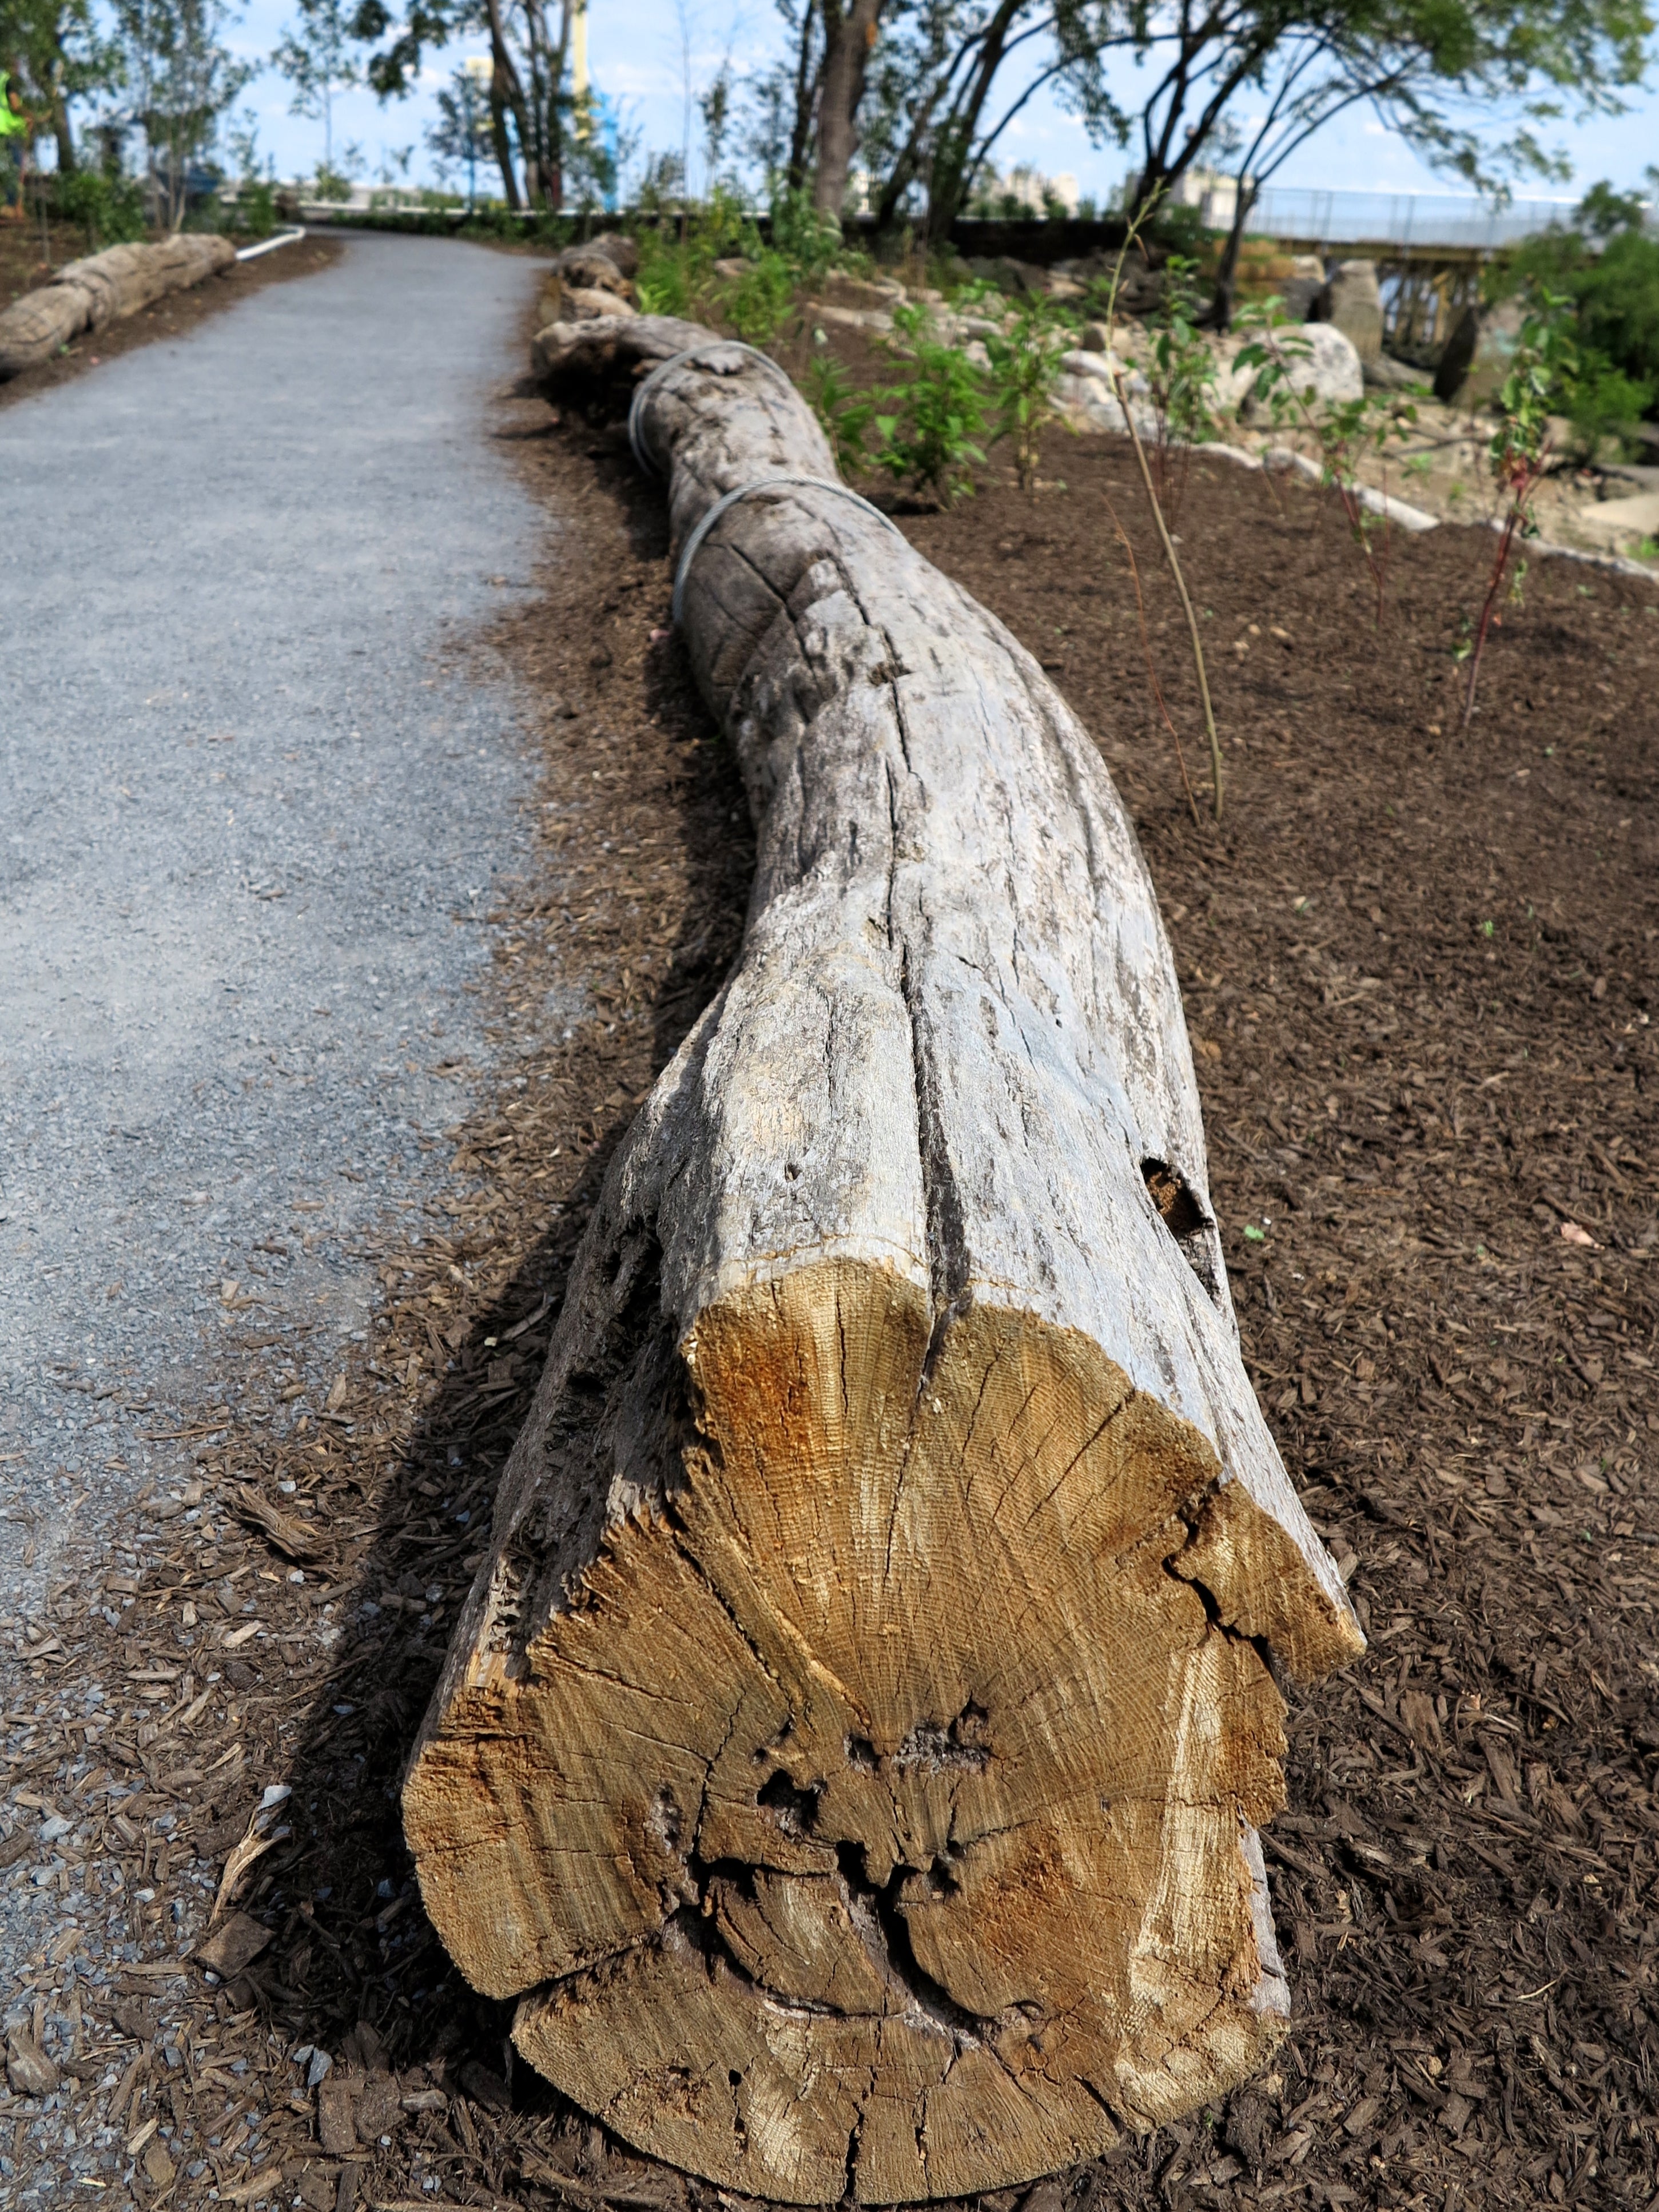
x,y
877,1820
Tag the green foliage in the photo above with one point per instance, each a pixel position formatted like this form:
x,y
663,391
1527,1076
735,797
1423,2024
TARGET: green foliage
x,y
1179,230
761,298
938,415
110,209
807,239
1545,365
1613,293
1025,368
1180,374
1274,344
845,413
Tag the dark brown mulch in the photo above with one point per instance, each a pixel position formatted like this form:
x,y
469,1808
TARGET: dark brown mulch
x,y
24,269
1418,970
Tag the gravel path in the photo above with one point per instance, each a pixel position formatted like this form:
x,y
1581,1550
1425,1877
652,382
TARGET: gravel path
x,y
247,819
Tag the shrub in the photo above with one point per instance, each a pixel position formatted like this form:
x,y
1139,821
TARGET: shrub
x,y
110,209
931,436
760,298
1607,271
1025,366
845,413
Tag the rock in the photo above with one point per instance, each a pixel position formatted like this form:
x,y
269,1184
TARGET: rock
x,y
1391,375
847,319
1329,373
596,272
1351,301
1016,278
1477,355
31,2072
1619,524
1297,296
877,296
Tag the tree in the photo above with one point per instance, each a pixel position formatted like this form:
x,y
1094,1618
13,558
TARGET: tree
x,y
1427,66
530,87
956,75
60,55
850,33
315,56
460,137
182,78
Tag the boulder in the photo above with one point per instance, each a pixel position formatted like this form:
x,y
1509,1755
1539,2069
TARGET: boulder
x,y
1477,355
1351,302
1328,374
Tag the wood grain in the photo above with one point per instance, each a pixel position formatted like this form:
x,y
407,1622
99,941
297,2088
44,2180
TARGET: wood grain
x,y
852,1748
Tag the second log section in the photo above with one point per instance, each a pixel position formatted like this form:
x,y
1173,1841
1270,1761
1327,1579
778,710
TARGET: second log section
x,y
852,1751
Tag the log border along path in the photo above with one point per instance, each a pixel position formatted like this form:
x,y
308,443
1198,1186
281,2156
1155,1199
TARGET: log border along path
x,y
852,1750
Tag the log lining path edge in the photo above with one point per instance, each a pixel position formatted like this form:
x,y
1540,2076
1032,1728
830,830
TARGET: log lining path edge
x,y
852,1750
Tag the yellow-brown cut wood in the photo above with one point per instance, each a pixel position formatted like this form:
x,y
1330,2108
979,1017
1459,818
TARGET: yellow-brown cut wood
x,y
852,1751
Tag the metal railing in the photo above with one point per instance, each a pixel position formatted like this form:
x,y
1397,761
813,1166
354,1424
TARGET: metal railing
x,y
1425,220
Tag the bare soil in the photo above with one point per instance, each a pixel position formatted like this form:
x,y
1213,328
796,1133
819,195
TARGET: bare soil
x,y
1420,970
25,268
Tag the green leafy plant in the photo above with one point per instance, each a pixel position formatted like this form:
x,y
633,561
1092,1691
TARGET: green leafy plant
x,y
1347,430
808,239
845,413
1025,368
1545,363
938,412
1607,268
1273,346
1180,374
110,209
759,299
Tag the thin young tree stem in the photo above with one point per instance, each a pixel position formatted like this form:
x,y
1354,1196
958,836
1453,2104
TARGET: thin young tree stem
x,y
1174,560
1146,648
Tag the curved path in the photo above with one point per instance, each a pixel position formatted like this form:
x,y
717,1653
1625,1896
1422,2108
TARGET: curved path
x,y
248,817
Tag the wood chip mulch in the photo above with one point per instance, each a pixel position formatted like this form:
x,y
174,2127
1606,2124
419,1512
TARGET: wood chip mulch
x,y
1406,1107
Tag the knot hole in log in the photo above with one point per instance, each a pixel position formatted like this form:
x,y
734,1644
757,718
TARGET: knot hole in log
x,y
1186,1221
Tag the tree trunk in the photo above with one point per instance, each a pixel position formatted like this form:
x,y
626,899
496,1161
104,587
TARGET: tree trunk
x,y
1221,316
106,288
852,1748
849,33
808,80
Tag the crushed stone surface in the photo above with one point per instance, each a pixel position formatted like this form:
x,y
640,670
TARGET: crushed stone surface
x,y
253,812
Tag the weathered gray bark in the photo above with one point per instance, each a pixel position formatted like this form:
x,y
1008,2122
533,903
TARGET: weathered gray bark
x,y
87,295
852,1748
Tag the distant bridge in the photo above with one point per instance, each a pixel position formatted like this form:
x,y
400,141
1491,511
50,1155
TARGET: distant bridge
x,y
1404,222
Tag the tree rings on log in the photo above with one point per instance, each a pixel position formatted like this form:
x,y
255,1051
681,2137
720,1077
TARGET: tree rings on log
x,y
852,1750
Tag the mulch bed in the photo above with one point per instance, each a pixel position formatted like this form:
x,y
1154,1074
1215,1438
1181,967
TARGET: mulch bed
x,y
23,269
1418,970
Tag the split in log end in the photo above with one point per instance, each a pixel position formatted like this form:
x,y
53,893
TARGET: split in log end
x,y
875,1818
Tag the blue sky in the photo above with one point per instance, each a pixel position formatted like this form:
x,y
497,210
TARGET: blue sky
x,y
636,50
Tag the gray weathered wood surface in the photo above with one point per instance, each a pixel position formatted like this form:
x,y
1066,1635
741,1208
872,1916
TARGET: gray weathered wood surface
x,y
852,1748
85,296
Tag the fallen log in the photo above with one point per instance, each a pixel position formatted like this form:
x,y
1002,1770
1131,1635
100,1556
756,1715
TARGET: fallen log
x,y
85,296
852,1749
